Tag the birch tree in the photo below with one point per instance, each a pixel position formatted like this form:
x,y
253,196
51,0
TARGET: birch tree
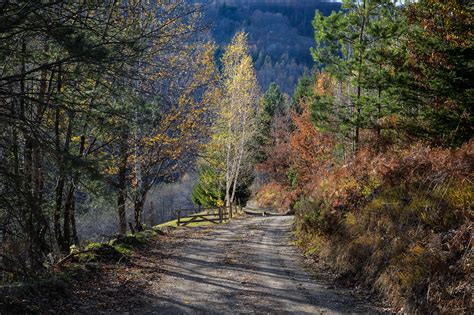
x,y
238,109
236,102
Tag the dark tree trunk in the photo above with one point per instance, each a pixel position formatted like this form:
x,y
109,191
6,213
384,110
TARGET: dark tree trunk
x,y
379,113
122,183
67,218
57,211
359,79
64,240
357,128
138,211
61,180
29,205
75,238
41,222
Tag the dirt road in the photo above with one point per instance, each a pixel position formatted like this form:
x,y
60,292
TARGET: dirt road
x,y
246,266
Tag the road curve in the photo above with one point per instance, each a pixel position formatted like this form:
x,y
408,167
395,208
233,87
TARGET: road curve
x,y
246,266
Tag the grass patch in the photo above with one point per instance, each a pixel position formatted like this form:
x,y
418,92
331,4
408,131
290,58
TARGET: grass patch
x,y
174,223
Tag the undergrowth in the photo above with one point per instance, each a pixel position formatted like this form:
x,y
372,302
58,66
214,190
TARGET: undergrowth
x,y
400,223
84,264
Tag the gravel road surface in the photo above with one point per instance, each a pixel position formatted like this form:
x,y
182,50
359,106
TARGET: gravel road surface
x,y
246,266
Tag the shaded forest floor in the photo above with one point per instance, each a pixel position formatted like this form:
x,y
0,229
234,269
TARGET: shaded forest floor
x,y
248,265
117,285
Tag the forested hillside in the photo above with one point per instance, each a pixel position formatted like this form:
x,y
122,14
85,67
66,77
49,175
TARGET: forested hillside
x,y
375,154
350,126
280,34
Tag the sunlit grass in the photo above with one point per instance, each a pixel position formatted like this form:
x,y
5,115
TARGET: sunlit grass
x,y
174,223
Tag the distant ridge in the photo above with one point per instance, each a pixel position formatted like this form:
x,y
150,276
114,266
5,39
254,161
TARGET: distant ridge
x,y
280,34
294,3
276,1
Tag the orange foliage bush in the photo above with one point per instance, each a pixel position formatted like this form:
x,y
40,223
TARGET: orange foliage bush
x,y
297,159
311,150
275,196
402,220
278,160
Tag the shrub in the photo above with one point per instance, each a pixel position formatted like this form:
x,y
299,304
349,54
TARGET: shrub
x,y
275,196
402,220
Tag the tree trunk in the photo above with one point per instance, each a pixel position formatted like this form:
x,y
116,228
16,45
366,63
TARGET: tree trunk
x,y
60,183
239,161
359,78
138,211
357,128
29,205
379,113
38,220
57,210
37,224
121,198
67,218
75,238
69,204
228,173
122,182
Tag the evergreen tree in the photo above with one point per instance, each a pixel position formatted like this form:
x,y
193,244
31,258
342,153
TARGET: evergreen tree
x,y
273,105
434,74
351,45
208,191
304,90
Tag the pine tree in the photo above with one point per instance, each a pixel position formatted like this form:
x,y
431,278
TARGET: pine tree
x,y
434,72
273,105
350,45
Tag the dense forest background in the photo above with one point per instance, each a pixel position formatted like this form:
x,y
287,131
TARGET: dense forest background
x,y
280,34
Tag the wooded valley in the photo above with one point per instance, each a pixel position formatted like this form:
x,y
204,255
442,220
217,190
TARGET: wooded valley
x,y
101,103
